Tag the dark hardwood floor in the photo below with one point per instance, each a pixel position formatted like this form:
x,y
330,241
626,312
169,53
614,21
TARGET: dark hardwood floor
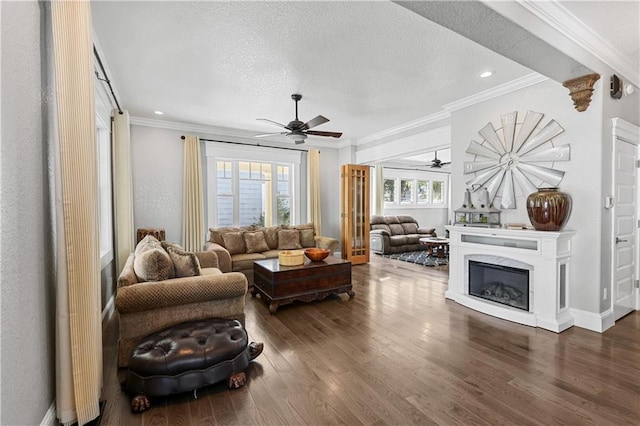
x,y
399,353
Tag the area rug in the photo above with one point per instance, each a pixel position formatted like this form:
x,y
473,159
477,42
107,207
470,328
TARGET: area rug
x,y
419,258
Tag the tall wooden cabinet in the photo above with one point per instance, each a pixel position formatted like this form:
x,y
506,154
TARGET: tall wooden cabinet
x,y
354,209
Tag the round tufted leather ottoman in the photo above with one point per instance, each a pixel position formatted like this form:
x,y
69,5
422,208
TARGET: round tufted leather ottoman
x,y
188,356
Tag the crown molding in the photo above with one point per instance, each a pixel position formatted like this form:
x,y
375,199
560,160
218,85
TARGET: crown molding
x,y
189,127
410,125
496,92
229,132
560,19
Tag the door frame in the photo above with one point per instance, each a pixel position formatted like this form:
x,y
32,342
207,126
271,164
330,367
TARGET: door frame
x,y
629,133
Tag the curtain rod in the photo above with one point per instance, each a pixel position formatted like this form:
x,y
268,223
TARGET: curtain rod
x,y
106,78
249,144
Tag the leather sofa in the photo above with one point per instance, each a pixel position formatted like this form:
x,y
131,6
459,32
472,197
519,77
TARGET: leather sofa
x,y
156,298
238,247
397,234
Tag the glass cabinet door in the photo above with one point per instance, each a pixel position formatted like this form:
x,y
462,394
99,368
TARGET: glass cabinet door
x,y
355,213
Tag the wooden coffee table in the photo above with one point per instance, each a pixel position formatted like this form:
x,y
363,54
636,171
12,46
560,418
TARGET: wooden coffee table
x,y
280,285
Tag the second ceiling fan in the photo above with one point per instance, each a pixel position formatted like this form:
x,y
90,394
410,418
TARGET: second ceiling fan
x,y
297,131
436,163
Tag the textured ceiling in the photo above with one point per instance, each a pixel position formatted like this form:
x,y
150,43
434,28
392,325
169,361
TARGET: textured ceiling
x,y
367,66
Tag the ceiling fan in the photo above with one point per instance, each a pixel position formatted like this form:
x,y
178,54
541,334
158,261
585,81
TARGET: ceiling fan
x,y
297,131
436,163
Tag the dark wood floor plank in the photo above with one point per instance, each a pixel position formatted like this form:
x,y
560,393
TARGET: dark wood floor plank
x,y
400,353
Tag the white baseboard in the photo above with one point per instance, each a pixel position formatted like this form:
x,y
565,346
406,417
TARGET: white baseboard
x,y
598,322
50,418
108,310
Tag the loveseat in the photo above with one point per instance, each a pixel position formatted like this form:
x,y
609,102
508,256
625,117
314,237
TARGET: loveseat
x,y
162,285
397,234
238,247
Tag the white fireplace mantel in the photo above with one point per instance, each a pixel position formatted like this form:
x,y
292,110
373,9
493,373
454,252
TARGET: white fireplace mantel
x,y
545,254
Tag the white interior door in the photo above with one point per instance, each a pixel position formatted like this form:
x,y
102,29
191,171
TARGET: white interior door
x,y
624,228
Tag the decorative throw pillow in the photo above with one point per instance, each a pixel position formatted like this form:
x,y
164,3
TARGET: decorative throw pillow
x,y
153,264
271,236
147,243
215,234
307,238
255,242
185,264
289,239
233,242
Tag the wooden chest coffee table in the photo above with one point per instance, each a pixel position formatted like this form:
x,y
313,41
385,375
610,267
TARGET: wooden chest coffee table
x,y
280,285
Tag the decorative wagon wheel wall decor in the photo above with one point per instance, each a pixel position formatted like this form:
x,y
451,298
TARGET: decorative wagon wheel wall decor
x,y
521,152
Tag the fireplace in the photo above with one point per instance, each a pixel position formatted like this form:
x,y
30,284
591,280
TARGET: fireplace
x,y
518,275
498,283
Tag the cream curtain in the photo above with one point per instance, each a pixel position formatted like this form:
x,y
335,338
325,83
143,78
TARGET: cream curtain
x,y
192,196
315,212
78,326
122,188
378,202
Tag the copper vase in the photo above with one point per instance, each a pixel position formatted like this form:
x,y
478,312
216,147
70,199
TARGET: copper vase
x,y
548,209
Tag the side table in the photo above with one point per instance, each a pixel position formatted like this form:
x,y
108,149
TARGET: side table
x,y
156,232
436,246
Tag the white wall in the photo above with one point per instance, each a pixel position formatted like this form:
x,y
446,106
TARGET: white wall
x,y
583,131
27,373
157,180
427,218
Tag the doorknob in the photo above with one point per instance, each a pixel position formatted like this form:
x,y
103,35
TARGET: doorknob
x,y
618,240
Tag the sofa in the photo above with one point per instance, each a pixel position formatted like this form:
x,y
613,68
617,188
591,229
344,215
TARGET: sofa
x,y
238,247
161,285
397,234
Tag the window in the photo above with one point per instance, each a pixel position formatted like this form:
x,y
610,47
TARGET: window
x,y
283,196
104,193
411,190
225,193
389,191
437,192
406,191
423,192
253,186
256,203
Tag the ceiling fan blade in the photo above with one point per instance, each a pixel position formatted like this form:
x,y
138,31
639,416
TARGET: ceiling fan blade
x,y
266,135
317,133
314,122
266,120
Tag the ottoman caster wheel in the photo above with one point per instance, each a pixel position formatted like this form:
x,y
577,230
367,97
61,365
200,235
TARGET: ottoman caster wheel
x,y
255,349
140,403
237,380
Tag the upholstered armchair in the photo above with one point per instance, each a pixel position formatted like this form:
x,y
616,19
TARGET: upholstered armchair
x,y
154,296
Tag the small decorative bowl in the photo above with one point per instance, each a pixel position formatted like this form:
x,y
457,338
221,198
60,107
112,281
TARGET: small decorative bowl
x,y
316,254
291,257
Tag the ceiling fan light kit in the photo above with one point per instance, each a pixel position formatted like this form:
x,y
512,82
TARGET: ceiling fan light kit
x,y
297,131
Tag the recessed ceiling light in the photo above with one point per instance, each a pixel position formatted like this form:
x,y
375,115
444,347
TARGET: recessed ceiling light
x,y
486,74
158,112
